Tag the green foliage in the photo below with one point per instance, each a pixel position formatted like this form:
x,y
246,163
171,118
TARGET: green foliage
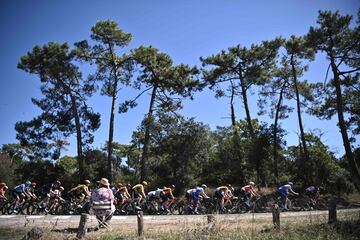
x,y
41,171
226,163
7,169
68,163
64,107
335,37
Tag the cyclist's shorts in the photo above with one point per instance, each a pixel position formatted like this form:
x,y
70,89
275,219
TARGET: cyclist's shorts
x,y
283,193
15,194
219,194
194,197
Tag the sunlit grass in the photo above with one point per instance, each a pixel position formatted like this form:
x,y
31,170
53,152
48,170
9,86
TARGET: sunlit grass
x,y
308,227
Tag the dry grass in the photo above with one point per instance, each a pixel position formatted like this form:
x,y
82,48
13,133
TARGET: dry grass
x,y
309,226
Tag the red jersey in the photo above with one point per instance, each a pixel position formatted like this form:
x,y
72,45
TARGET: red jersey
x,y
247,188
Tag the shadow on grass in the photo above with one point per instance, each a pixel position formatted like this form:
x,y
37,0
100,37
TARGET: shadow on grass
x,y
74,230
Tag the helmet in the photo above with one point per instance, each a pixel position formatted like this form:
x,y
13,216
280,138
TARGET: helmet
x,y
119,184
144,183
203,186
290,183
27,183
172,186
33,184
252,183
58,182
6,187
61,189
229,185
87,182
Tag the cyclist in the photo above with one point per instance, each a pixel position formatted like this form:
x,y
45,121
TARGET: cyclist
x,y
19,193
194,196
154,197
313,193
221,193
30,190
46,192
247,192
3,189
123,195
55,198
139,192
284,191
81,191
168,195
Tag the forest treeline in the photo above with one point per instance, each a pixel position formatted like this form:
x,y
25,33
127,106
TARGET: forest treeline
x,y
168,148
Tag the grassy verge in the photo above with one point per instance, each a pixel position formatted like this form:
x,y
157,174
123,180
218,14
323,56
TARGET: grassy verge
x,y
341,231
305,227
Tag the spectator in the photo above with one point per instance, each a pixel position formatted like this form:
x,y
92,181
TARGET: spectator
x,y
103,202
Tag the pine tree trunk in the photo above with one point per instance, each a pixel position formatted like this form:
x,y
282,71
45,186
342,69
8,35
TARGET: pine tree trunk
x,y
79,143
111,139
275,155
302,133
233,117
148,123
110,165
246,106
80,155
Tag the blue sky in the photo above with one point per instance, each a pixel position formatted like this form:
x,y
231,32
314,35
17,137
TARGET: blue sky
x,y
184,29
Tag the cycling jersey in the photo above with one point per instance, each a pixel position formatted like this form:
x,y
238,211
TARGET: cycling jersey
x,y
138,187
2,193
21,188
311,189
247,188
2,190
138,190
155,194
195,192
55,194
284,189
220,191
168,192
80,189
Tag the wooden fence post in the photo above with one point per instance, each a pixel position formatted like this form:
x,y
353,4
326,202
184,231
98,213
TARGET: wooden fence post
x,y
276,216
332,211
210,218
140,221
82,225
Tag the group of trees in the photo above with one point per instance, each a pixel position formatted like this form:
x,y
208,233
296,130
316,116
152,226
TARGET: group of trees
x,y
169,148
